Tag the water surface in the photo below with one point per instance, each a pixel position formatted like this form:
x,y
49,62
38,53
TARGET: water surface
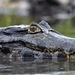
x,y
36,66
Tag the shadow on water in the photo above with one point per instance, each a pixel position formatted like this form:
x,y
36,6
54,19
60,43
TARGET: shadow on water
x,y
24,66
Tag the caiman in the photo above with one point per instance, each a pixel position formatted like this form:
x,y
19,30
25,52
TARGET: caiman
x,y
35,41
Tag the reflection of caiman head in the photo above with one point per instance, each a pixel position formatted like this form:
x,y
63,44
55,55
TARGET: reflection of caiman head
x,y
36,41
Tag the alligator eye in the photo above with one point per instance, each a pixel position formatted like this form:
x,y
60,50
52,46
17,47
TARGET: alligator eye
x,y
34,28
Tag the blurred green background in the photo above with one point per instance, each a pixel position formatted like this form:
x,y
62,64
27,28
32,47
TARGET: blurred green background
x,y
66,27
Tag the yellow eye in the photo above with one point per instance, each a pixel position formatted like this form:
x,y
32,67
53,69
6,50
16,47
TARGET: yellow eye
x,y
34,28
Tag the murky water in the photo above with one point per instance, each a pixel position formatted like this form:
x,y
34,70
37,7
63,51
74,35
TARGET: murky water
x,y
36,66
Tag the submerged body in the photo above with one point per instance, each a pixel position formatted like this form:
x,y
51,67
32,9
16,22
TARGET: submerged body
x,y
35,41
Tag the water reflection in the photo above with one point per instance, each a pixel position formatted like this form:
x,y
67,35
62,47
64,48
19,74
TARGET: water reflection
x,y
22,66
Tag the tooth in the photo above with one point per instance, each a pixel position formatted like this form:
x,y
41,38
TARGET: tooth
x,y
37,48
52,52
45,51
68,56
48,52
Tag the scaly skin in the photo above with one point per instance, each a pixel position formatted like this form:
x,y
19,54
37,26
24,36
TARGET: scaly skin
x,y
35,41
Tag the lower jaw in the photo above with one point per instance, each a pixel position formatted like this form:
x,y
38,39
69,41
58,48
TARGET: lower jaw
x,y
48,55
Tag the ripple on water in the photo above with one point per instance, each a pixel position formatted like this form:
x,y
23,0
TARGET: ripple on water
x,y
5,69
36,66
53,73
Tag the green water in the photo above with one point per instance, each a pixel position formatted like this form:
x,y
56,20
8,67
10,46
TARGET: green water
x,y
66,27
8,20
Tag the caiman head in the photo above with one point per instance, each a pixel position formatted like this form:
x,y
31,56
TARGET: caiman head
x,y
35,40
